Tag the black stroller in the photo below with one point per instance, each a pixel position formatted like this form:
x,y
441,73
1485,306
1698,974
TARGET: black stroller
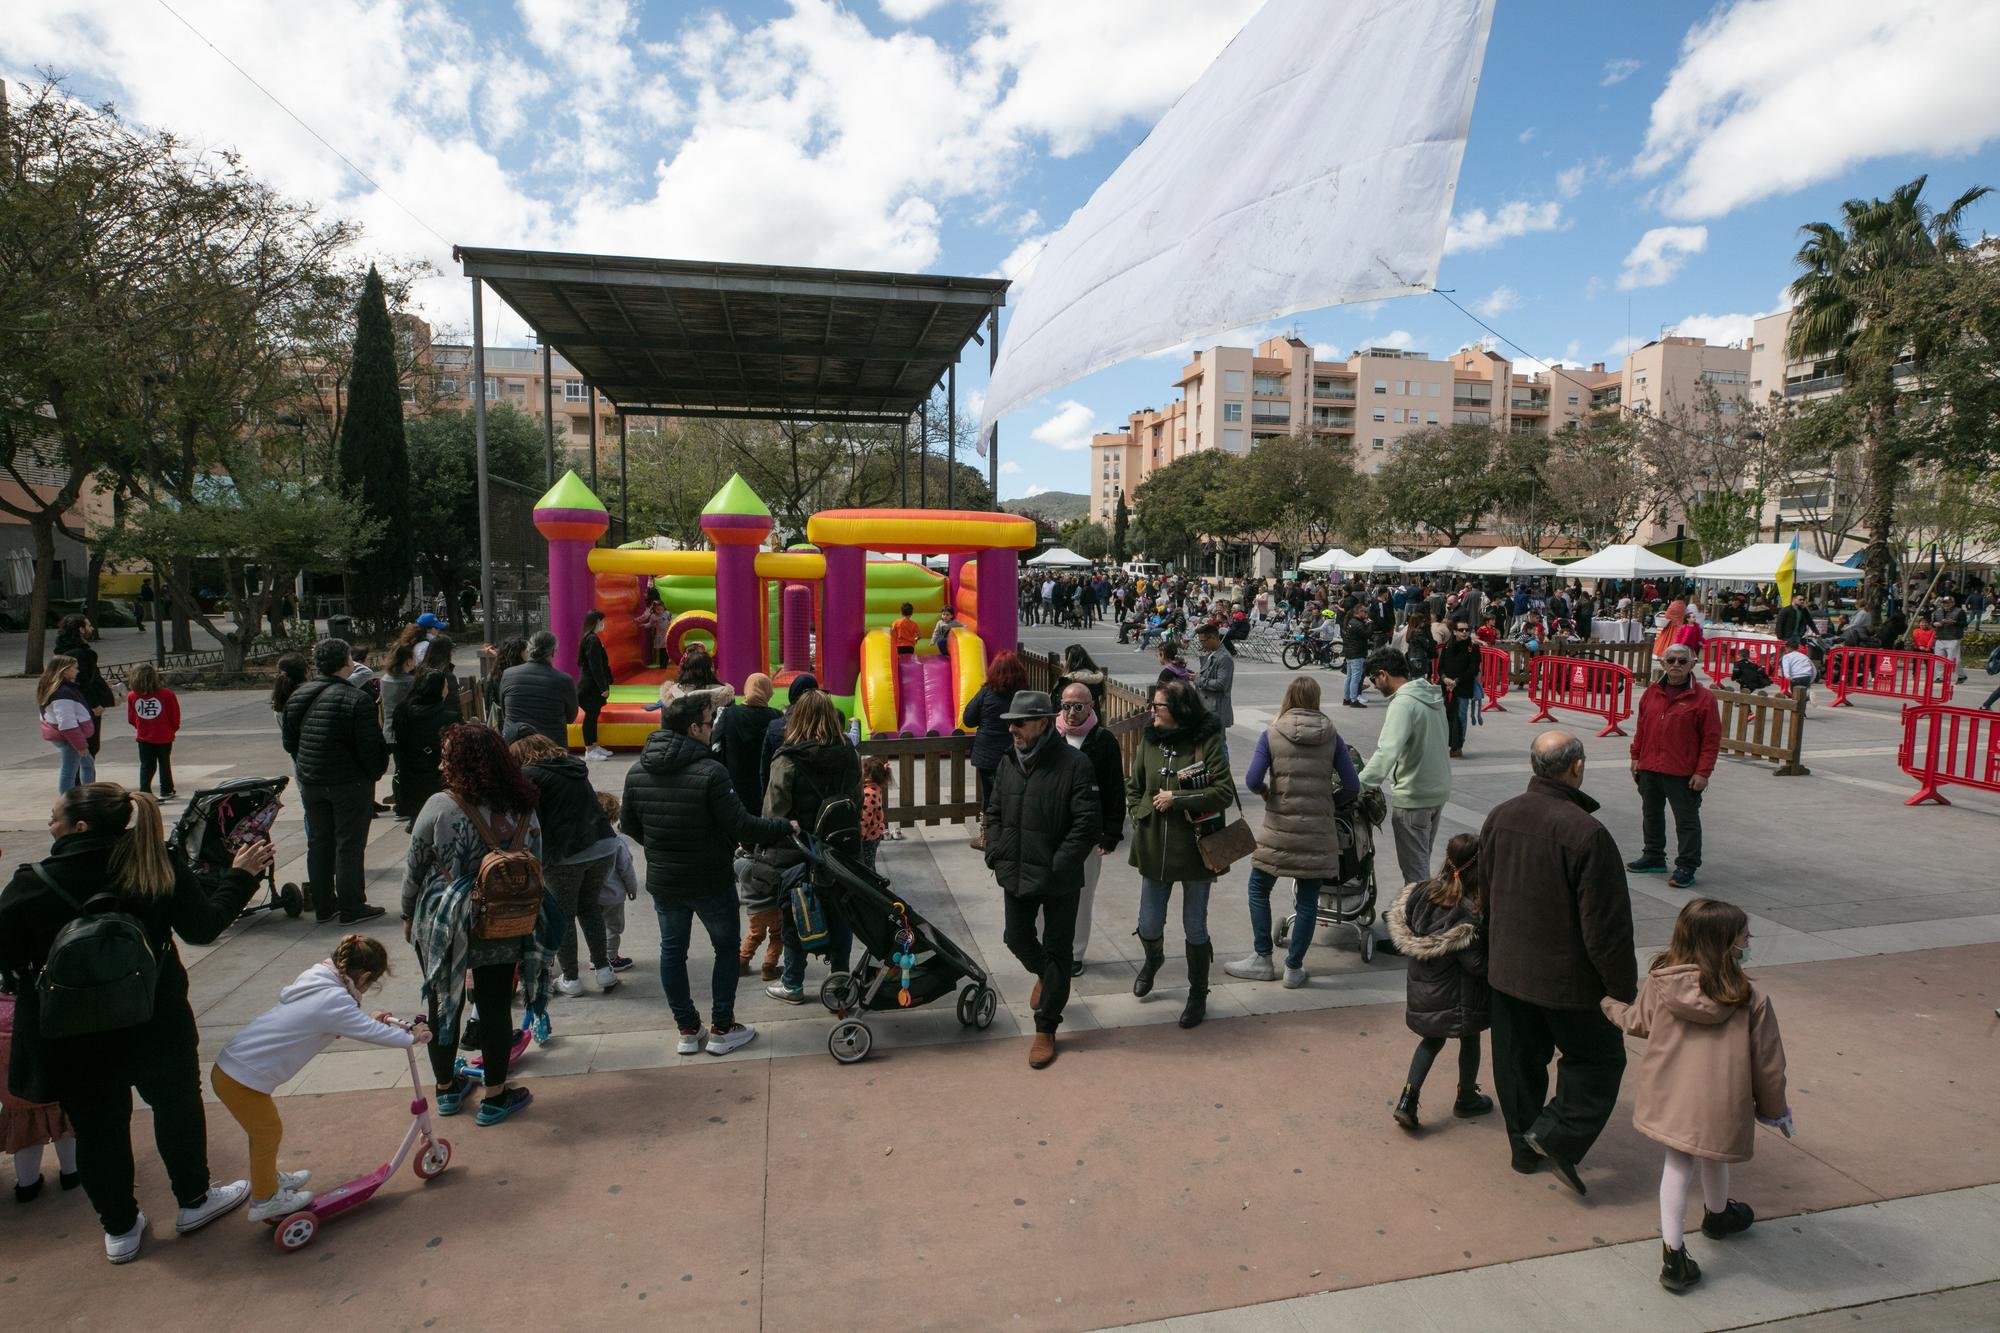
x,y
886,927
1350,900
218,821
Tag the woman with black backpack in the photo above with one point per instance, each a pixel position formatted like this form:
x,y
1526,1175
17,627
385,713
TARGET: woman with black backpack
x,y
110,851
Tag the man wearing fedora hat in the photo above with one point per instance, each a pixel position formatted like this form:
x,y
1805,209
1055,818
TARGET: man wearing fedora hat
x,y
1042,822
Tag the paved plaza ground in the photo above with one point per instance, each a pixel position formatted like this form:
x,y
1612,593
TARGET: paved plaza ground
x,y
1243,1175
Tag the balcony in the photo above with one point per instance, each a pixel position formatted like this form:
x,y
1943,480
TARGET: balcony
x,y
1334,395
1269,419
1483,404
1531,409
1821,384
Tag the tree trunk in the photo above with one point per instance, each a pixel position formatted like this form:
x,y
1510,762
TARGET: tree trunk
x,y
183,577
1879,518
93,580
43,526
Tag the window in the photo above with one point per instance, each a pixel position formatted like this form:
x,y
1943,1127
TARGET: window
x,y
1232,440
1430,418
1399,416
448,386
1378,443
1381,386
1232,411
575,391
1724,377
1381,414
1572,400
1232,380
409,393
1271,386
1436,390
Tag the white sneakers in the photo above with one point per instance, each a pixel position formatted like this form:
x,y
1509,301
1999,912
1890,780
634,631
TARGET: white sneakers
x,y
1295,977
738,1036
605,978
293,1180
596,754
1257,967
570,986
124,1249
221,1198
285,1201
690,1043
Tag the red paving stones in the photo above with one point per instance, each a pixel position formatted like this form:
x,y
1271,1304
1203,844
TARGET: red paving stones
x,y
1150,1172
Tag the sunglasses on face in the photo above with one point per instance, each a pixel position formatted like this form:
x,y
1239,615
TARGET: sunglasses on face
x,y
1075,707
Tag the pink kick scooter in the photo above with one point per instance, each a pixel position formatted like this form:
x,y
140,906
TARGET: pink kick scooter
x,y
295,1231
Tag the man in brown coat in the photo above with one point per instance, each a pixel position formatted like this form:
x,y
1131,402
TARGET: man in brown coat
x,y
1559,939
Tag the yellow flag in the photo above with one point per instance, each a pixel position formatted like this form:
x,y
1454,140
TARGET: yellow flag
x,y
1788,564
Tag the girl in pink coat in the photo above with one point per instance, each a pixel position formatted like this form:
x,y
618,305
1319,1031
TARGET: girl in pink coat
x,y
1714,1064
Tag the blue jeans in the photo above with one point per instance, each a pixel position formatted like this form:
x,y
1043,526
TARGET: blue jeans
x,y
724,924
1305,902
77,766
1356,679
1153,897
839,944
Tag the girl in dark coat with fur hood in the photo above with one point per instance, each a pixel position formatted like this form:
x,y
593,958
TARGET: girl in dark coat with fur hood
x,y
1440,928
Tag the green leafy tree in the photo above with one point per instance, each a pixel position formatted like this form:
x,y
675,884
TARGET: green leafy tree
x,y
1446,480
1121,519
1846,310
1086,538
444,486
1298,487
1593,488
1183,503
375,462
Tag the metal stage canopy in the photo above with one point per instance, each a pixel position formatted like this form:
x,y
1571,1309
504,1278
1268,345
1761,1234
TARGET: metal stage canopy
x,y
689,338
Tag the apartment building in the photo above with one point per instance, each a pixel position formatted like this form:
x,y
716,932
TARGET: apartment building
x,y
514,376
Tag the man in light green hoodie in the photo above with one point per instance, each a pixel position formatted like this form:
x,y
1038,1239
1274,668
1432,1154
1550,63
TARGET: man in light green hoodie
x,y
1410,763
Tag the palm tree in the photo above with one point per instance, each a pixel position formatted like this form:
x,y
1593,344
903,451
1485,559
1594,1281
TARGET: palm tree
x,y
1841,299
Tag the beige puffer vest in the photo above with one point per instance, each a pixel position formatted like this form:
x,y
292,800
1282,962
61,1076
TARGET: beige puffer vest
x,y
1298,840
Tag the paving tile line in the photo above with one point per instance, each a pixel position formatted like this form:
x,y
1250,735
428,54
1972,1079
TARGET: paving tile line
x,y
1783,1268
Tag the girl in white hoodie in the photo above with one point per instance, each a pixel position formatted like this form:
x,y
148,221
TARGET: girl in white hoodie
x,y
324,1003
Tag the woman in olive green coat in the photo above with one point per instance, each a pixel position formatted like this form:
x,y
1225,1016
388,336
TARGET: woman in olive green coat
x,y
1181,775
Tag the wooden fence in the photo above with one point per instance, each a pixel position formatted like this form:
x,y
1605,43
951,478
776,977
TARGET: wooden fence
x,y
1634,657
1764,726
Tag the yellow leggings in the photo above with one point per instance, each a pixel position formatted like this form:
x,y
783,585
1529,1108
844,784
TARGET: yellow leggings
x,y
258,1115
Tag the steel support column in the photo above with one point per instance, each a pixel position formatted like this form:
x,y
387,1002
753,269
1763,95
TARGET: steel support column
x,y
549,412
993,440
924,454
487,607
950,434
593,441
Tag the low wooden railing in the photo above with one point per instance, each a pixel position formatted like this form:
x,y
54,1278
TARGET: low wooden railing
x,y
1764,726
1634,657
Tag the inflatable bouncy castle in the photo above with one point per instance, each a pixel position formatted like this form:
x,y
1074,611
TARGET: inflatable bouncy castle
x,y
825,607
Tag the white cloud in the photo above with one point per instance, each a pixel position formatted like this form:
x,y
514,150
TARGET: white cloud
x,y
1620,346
1070,428
1619,70
909,11
971,403
1498,301
1021,259
1525,135
1026,223
1034,491
1477,230
1569,181
1783,300
1659,255
1715,328
1010,469
1573,350
1774,96
1401,338
1326,352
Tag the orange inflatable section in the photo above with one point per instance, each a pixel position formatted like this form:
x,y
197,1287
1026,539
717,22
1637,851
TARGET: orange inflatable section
x,y
618,597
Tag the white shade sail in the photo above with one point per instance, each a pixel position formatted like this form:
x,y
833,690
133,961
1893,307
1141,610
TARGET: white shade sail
x,y
1374,560
1759,564
1060,557
1326,561
1508,562
1443,560
1623,562
1312,164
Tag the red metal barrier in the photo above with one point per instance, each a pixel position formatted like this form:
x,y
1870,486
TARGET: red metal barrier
x,y
1718,657
1943,745
1921,678
1496,675
1585,685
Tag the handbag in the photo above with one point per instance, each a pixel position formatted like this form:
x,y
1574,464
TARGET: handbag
x,y
1228,844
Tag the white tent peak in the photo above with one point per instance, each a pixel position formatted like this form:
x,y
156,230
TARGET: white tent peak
x,y
1508,562
1059,556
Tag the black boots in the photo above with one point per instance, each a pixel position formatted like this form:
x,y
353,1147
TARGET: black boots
x,y
1199,956
1156,954
1678,1270
1733,1218
1471,1102
1406,1107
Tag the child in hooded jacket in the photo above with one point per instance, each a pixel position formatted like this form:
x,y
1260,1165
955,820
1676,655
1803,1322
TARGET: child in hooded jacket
x,y
760,888
323,1003
1439,927
621,886
1714,1069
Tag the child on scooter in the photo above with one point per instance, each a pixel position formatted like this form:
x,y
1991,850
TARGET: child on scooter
x,y
323,1003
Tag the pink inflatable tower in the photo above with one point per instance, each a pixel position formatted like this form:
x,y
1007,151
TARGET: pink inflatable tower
x,y
571,519
737,522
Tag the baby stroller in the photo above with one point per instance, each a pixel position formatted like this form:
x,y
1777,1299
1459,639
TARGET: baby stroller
x,y
905,960
220,820
1350,900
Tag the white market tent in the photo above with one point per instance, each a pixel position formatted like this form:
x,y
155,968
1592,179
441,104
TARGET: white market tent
x,y
1508,562
1624,562
1327,561
1060,556
1374,560
1443,560
1759,564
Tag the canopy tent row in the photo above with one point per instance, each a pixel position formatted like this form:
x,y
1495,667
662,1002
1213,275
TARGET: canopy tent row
x,y
1624,562
689,338
1059,557
1759,564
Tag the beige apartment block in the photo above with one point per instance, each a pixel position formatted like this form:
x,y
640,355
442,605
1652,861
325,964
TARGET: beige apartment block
x,y
514,376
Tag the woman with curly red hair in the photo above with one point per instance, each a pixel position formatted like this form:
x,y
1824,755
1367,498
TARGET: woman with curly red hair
x,y
485,804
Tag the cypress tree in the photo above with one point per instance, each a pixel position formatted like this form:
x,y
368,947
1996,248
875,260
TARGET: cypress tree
x,y
374,461
1119,518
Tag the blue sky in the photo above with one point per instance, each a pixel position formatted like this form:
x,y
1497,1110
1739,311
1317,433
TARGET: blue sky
x,y
1629,167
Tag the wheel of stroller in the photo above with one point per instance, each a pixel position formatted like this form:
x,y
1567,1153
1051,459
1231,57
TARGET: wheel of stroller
x,y
432,1161
968,1004
986,1006
1367,947
839,993
849,1041
1283,934
292,900
296,1232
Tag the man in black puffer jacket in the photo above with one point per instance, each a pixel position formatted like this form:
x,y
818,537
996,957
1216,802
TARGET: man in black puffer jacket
x,y
682,807
332,731
1041,822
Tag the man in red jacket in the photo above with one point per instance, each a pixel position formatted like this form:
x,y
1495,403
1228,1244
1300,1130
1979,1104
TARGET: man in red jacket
x,y
1673,757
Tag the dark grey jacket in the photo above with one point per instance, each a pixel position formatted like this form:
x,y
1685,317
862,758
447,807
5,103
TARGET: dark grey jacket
x,y
331,729
1213,681
1445,949
1041,819
540,696
681,806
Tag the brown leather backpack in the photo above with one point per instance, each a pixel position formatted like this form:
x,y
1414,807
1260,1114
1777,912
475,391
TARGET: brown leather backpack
x,y
507,889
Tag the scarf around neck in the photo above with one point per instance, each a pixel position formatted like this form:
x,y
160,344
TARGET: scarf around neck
x,y
1080,729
